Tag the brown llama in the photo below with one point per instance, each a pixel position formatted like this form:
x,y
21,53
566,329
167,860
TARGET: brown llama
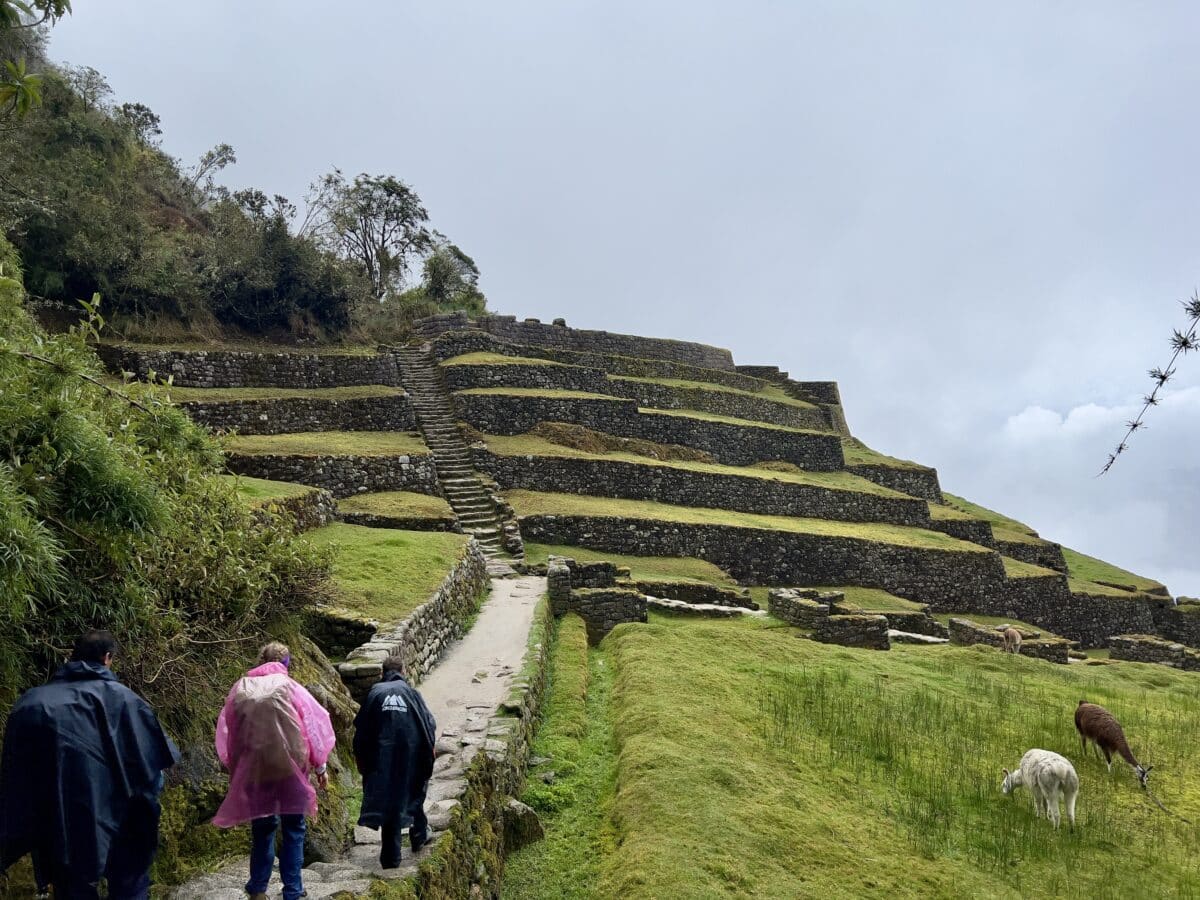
x,y
1012,640
1096,724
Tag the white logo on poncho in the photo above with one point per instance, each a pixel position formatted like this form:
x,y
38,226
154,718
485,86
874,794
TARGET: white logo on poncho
x,y
394,703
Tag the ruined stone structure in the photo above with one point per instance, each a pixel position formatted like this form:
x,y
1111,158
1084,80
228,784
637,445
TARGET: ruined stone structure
x,y
497,375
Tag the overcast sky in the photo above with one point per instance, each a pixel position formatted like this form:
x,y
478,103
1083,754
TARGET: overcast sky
x,y
978,218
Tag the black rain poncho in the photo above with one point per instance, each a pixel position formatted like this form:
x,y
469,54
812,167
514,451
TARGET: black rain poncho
x,y
77,752
393,745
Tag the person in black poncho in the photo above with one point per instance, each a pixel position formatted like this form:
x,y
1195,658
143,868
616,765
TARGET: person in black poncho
x,y
80,777
394,748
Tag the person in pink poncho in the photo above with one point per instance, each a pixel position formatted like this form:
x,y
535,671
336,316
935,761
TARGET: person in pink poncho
x,y
270,735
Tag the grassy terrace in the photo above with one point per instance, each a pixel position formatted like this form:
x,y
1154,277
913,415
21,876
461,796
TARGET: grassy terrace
x,y
356,392
533,445
772,392
865,598
257,491
750,764
975,511
328,443
386,574
728,420
859,454
1015,568
1085,568
400,504
499,359
528,503
649,568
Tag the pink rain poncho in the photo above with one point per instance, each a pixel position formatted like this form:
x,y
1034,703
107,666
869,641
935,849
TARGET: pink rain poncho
x,y
259,784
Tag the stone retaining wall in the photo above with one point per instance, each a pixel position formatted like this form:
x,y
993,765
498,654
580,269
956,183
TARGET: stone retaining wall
x,y
403,523
684,487
1152,649
1088,618
921,482
531,331
244,368
867,631
1043,553
603,609
977,531
292,414
342,476
458,343
1177,622
310,510
548,377
721,403
697,593
966,632
946,579
422,637
732,444
802,607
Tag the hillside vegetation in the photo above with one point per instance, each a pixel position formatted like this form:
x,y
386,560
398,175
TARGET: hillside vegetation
x,y
94,203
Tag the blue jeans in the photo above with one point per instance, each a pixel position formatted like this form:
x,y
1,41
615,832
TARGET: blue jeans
x,y
291,854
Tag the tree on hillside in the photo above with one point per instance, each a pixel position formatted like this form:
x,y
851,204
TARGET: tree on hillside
x,y
450,279
1182,343
376,221
143,123
21,22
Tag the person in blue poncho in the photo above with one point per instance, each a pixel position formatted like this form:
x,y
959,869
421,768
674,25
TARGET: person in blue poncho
x,y
80,775
394,748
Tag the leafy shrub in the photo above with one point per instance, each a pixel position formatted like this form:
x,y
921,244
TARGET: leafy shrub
x,y
112,515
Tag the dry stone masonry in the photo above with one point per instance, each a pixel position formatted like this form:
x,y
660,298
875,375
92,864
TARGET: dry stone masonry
x,y
342,475
387,412
246,368
531,331
422,637
1149,648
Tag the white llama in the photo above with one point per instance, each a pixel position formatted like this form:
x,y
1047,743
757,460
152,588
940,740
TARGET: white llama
x,y
1046,774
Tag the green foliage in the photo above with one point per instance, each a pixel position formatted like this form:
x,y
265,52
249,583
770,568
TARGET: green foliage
x,y
375,221
112,515
94,205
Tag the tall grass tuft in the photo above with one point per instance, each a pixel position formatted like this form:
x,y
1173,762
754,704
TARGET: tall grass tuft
x,y
939,753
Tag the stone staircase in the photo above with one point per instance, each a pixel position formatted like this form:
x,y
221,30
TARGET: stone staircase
x,y
470,500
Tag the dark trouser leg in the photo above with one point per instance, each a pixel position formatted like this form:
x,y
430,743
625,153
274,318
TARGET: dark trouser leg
x,y
389,850
418,831
262,853
291,855
129,859
66,888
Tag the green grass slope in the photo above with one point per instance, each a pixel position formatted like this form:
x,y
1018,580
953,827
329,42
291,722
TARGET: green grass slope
x,y
754,764
385,574
327,443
